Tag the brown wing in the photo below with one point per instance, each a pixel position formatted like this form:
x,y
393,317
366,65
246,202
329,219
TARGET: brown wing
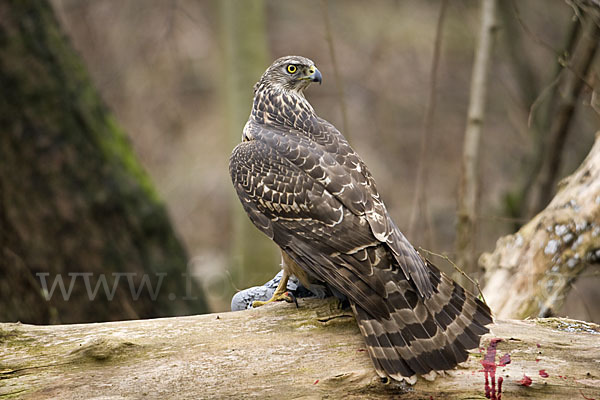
x,y
318,149
325,214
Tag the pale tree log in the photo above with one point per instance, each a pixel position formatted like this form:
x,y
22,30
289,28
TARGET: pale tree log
x,y
468,191
277,351
530,272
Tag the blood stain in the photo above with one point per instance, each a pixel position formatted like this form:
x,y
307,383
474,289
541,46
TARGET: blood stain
x,y
504,360
526,381
500,380
543,373
489,369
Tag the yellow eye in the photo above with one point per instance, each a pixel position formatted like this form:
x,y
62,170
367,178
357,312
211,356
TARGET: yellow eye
x,y
291,68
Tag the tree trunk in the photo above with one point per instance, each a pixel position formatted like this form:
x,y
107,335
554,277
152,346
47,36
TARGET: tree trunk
x,y
564,111
279,351
530,273
245,57
73,198
553,110
468,191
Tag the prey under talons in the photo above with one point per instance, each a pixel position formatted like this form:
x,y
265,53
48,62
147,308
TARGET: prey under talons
x,y
285,296
281,293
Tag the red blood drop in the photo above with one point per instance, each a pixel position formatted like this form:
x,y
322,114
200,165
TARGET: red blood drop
x,y
543,373
500,380
317,381
504,360
526,381
489,369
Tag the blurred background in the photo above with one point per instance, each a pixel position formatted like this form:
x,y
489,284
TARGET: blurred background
x,y
178,77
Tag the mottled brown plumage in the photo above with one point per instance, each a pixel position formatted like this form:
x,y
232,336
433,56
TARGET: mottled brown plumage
x,y
304,186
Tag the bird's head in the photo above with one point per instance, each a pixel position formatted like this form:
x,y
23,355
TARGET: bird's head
x,y
293,73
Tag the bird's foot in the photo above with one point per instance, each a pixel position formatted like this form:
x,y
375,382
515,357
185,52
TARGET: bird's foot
x,y
285,296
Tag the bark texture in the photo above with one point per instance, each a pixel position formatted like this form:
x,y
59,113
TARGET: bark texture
x,y
277,351
530,272
73,197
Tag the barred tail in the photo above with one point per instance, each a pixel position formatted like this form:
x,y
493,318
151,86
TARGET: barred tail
x,y
422,335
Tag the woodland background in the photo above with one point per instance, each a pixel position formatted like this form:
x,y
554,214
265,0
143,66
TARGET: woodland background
x,y
178,78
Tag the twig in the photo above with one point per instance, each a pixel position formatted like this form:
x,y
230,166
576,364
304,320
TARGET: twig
x,y
561,57
539,121
533,36
564,112
336,72
595,102
458,269
541,97
235,287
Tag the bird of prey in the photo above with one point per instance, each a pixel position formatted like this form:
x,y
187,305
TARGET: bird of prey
x,y
302,185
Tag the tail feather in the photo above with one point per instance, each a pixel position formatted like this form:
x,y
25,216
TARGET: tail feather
x,y
422,335
385,354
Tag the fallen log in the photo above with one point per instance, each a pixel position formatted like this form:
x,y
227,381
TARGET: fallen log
x,y
280,351
530,273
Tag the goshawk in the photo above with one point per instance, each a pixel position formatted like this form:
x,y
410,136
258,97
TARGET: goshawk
x,y
304,186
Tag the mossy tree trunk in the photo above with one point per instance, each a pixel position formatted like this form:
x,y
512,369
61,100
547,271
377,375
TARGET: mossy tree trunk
x,y
73,197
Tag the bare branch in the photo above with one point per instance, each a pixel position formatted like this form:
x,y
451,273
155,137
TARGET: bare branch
x,y
572,85
475,282
468,191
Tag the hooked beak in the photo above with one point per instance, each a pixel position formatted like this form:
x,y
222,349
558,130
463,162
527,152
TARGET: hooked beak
x,y
314,75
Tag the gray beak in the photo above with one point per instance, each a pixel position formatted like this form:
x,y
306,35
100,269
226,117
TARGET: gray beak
x,y
315,75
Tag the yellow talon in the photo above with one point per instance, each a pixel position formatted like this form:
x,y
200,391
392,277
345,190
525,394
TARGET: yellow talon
x,y
286,296
281,292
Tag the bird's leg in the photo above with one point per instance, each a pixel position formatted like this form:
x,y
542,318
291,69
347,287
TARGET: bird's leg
x,y
281,292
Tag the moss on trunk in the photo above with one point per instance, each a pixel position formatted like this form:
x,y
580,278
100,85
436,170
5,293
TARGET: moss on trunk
x,y
73,196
